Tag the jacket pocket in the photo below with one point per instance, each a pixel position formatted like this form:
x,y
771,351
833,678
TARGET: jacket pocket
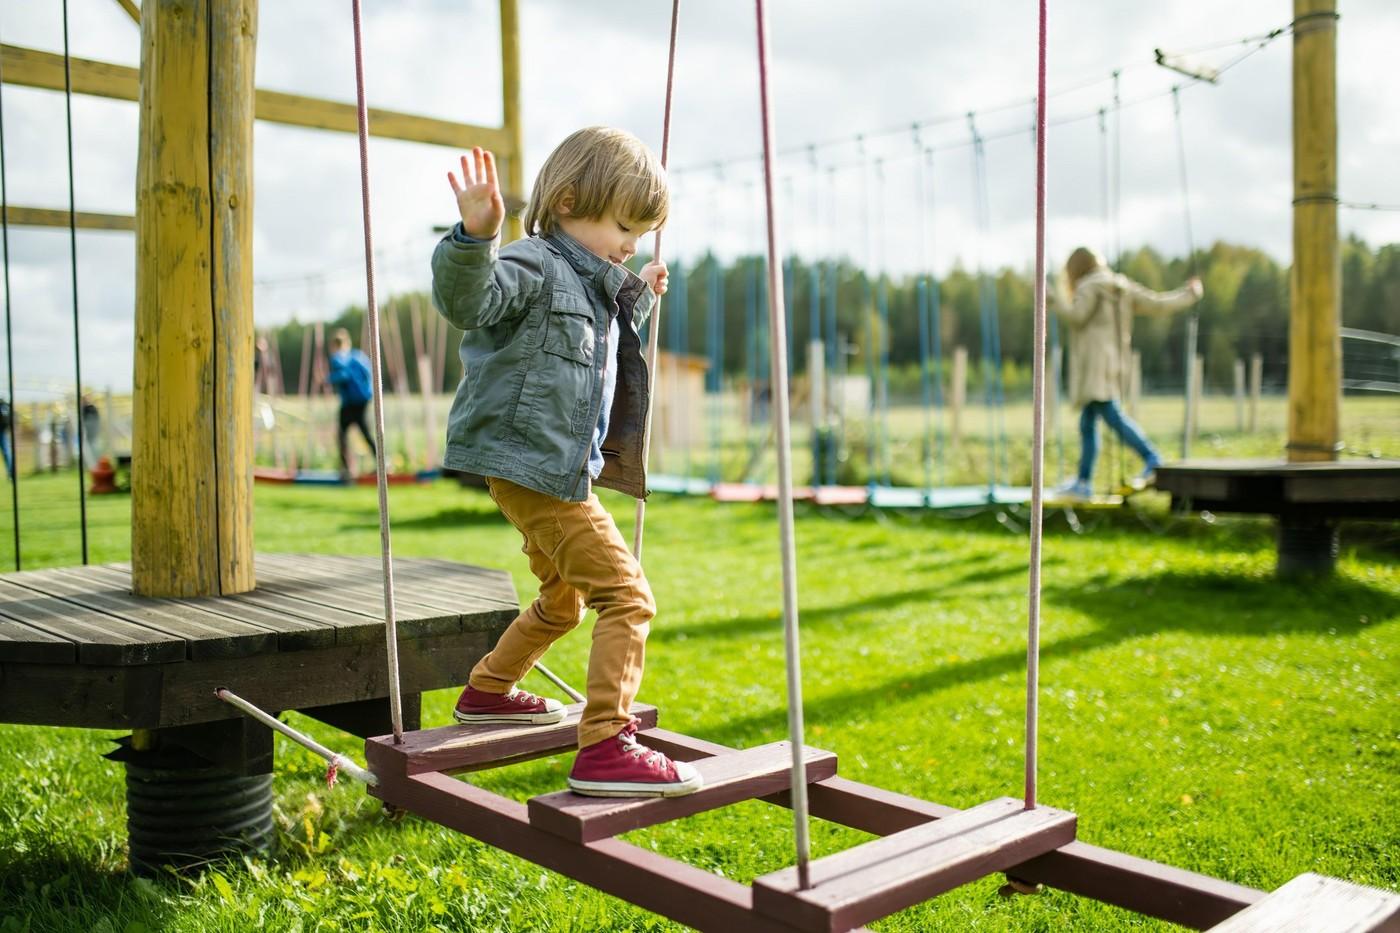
x,y
570,334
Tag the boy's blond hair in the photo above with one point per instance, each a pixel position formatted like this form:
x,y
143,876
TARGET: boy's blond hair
x,y
605,170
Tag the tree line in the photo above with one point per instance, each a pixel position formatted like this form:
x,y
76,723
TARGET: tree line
x,y
1245,311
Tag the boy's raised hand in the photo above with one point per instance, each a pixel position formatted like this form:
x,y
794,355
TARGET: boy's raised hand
x,y
654,274
479,196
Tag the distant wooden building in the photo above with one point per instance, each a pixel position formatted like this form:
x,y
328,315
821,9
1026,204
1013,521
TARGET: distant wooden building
x,y
680,401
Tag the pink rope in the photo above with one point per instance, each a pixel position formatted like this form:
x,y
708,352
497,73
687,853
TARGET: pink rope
x,y
1037,431
372,313
653,334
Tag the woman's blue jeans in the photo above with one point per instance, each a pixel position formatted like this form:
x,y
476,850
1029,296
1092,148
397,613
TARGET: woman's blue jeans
x,y
1121,424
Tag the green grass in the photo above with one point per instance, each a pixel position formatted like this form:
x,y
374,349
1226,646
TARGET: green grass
x,y
1194,711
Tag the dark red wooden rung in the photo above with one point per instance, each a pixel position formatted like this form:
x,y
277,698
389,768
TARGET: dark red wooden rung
x,y
472,748
880,877
729,778
1317,904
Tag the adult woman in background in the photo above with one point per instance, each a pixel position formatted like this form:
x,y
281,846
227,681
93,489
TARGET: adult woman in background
x,y
1098,310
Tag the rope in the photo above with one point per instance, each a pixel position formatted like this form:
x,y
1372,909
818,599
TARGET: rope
x,y
922,307
9,338
654,325
785,522
372,313
336,761
1118,446
73,263
1037,432
1193,323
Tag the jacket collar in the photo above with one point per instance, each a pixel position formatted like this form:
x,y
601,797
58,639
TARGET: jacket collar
x,y
607,276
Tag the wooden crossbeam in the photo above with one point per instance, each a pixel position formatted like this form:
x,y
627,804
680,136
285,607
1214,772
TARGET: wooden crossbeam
x,y
745,775
878,878
35,68
466,748
1313,903
17,216
652,881
132,10
1126,881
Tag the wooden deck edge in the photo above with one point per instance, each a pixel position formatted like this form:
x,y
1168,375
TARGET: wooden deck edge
x,y
662,885
1127,881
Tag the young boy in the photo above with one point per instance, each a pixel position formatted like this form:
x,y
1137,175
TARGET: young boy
x,y
554,401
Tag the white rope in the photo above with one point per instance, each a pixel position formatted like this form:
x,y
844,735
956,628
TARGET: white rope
x,y
338,762
778,353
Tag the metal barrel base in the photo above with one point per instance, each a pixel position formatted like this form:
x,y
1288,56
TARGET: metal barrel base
x,y
182,812
1307,547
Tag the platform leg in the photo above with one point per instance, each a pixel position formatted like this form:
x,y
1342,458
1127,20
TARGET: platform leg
x,y
1307,546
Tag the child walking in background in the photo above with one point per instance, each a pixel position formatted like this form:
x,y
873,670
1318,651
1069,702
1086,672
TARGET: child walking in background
x,y
554,402
350,377
1099,313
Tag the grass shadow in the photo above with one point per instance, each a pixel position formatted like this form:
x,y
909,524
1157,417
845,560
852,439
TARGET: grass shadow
x,y
444,520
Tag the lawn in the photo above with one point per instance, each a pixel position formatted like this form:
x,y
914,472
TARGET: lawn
x,y
1194,711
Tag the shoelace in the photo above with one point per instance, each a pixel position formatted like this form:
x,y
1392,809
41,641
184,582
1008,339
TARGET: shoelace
x,y
649,756
523,696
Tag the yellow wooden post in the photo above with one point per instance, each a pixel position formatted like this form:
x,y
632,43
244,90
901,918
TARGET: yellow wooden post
x,y
192,421
1314,348
514,128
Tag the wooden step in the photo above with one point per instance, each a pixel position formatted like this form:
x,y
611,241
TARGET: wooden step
x,y
1317,904
730,778
471,748
880,877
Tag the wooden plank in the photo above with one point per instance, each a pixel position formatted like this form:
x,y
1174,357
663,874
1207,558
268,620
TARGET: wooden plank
x,y
100,638
1312,903
153,696
293,633
84,220
1133,883
745,775
878,878
33,68
205,635
429,580
25,643
457,747
653,882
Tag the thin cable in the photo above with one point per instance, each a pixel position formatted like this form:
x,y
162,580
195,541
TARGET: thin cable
x,y
1193,323
9,333
386,554
73,259
654,326
1362,206
785,523
1037,434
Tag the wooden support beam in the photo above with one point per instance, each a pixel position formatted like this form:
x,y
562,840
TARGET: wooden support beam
x,y
132,10
1314,338
192,478
34,68
514,129
17,216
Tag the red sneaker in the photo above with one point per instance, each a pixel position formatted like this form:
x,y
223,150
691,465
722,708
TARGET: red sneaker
x,y
478,706
623,767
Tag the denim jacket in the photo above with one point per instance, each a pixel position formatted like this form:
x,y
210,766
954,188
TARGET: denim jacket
x,y
535,316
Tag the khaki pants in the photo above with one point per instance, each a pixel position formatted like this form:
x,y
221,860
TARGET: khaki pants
x,y
581,560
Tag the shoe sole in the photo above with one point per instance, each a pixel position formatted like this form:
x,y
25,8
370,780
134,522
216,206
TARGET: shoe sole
x,y
534,719
620,789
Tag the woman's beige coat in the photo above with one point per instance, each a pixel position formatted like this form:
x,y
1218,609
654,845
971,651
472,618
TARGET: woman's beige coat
x,y
1100,319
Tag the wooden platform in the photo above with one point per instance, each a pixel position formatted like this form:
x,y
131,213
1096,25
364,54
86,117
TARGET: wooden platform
x,y
1317,904
1337,489
878,878
78,649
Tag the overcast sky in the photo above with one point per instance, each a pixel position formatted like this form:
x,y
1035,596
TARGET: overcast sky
x,y
835,74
